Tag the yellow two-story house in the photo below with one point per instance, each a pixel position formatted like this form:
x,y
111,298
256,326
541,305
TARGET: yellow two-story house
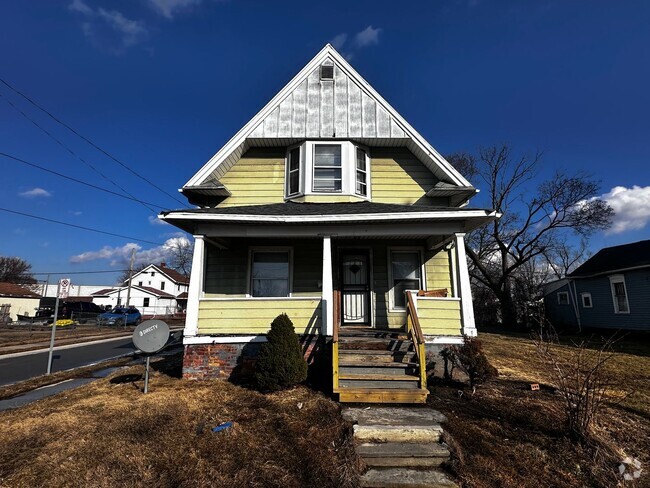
x,y
330,207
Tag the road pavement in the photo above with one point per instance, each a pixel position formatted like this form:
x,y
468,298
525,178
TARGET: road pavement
x,y
22,366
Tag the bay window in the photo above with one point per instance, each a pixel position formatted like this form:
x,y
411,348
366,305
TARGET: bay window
x,y
322,167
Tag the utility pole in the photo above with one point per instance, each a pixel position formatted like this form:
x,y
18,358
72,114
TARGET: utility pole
x,y
128,292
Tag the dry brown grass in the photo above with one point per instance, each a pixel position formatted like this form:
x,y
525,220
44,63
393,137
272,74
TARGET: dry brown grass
x,y
109,434
509,436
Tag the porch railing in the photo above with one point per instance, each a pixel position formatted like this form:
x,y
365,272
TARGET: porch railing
x,y
414,331
335,341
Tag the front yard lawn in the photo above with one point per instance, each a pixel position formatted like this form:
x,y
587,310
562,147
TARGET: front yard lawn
x,y
509,436
108,434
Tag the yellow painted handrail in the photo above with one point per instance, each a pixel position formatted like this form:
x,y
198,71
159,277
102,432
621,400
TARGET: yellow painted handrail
x,y
414,329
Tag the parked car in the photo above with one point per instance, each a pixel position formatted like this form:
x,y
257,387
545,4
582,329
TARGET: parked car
x,y
80,311
119,316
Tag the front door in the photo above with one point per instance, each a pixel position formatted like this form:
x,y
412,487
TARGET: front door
x,y
355,287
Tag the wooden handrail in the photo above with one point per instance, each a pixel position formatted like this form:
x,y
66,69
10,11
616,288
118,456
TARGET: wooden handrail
x,y
415,331
412,311
335,341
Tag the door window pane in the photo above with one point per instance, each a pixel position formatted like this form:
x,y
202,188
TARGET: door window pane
x,y
270,274
405,267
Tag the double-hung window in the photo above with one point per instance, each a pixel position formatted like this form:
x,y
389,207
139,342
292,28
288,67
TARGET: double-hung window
x,y
406,274
270,273
293,172
327,168
619,294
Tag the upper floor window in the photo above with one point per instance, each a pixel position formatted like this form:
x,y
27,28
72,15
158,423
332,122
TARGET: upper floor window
x,y
321,167
619,294
162,285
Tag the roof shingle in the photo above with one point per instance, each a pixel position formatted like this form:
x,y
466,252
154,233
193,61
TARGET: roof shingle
x,y
614,258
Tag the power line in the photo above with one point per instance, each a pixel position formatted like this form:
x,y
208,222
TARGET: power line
x,y
82,272
77,181
49,134
53,117
78,226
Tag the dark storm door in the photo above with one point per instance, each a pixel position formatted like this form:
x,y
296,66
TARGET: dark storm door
x,y
355,287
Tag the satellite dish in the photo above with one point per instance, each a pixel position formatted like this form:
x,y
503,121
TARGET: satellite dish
x,y
151,336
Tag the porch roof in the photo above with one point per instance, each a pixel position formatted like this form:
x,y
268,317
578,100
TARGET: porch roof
x,y
330,214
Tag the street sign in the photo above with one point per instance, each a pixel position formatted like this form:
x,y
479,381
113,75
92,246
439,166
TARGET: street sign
x,y
64,287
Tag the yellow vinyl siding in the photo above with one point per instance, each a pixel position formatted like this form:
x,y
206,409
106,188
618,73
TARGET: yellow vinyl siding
x,y
398,177
439,316
256,179
437,268
254,316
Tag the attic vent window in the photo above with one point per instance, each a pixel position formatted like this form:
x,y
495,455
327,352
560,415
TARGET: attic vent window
x,y
327,73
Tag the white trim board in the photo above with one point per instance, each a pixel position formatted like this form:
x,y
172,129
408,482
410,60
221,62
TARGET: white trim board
x,y
238,143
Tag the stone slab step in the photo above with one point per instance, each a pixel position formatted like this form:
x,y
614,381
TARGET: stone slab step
x,y
397,433
369,450
382,395
405,478
393,416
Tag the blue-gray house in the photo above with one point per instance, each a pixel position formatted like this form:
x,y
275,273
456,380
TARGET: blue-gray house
x,y
610,290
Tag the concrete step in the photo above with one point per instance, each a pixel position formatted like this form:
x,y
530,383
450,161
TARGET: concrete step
x,y
376,415
405,478
400,454
397,433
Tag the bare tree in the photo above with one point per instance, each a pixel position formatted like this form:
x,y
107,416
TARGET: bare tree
x,y
181,256
124,276
537,218
15,270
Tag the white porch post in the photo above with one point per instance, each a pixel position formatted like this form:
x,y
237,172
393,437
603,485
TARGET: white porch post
x,y
328,288
196,288
464,288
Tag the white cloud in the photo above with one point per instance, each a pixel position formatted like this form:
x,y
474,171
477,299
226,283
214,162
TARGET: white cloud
x,y
101,26
632,207
367,37
339,40
168,8
35,193
120,256
153,220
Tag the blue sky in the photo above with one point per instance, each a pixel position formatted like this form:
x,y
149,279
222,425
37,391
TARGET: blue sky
x,y
162,84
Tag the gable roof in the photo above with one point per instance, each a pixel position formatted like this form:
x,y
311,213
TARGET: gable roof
x,y
348,108
609,259
16,291
103,292
172,274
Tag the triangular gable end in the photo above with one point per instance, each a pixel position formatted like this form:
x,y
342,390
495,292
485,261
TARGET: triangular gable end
x,y
347,108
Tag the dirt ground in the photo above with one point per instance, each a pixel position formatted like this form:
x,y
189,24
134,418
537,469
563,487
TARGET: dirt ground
x,y
506,435
108,434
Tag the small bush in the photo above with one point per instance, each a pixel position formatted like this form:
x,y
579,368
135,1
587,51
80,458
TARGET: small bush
x,y
471,359
280,363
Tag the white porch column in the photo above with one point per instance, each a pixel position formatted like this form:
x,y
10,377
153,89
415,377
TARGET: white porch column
x,y
195,291
328,288
464,288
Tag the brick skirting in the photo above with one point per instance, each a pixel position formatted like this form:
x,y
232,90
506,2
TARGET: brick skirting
x,y
236,361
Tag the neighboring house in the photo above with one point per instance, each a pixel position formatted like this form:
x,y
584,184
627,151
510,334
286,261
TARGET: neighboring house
x,y
328,206
149,301
17,300
611,290
80,293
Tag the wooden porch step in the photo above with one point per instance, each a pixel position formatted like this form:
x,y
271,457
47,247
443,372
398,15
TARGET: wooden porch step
x,y
374,344
376,333
377,377
382,395
354,363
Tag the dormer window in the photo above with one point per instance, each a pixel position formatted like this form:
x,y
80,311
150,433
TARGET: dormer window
x,y
322,167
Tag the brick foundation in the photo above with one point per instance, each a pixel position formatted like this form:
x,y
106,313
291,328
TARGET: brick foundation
x,y
236,361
